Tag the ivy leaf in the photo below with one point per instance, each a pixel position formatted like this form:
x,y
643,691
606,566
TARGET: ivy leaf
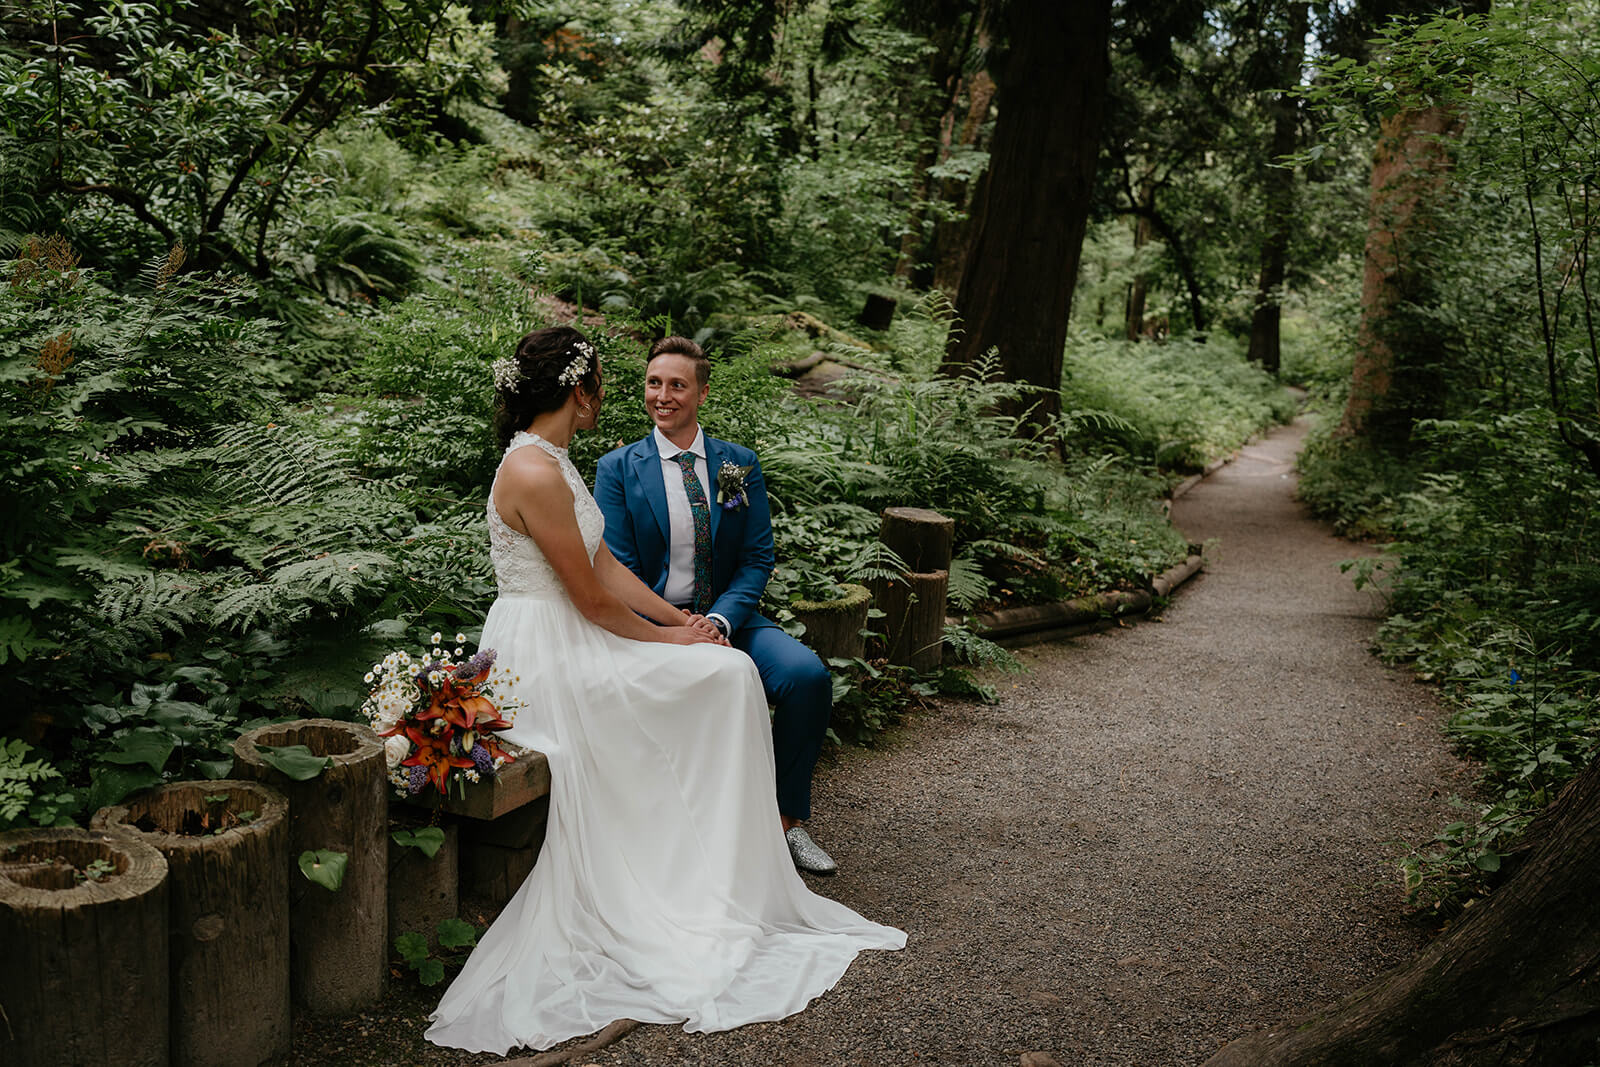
x,y
412,946
1488,861
111,784
213,768
457,933
430,971
428,839
295,761
324,867
148,747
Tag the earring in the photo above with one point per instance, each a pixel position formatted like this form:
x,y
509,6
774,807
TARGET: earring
x,y
583,409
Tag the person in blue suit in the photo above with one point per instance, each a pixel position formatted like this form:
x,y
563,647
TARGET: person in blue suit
x,y
689,515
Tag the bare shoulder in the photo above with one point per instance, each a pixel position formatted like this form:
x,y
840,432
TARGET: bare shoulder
x,y
529,474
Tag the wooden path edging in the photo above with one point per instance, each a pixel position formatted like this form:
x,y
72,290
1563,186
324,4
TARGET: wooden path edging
x,y
1038,623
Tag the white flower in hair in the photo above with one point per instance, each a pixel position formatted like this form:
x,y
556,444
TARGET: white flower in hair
x,y
580,364
507,375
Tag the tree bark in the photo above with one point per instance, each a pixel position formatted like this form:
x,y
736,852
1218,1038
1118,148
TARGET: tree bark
x,y
1516,981
229,907
1391,384
913,618
85,980
339,947
1265,342
834,627
1016,291
924,539
1133,318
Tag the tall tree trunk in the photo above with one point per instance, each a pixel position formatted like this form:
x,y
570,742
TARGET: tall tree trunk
x,y
1016,291
1515,981
1133,312
1265,348
949,42
1392,384
952,235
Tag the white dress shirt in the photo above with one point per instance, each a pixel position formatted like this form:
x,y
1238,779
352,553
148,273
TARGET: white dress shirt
x,y
680,519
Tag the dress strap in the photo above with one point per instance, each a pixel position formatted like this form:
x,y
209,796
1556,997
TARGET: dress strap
x,y
523,437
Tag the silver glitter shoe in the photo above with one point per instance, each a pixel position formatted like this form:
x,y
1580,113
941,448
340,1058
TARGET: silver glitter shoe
x,y
808,856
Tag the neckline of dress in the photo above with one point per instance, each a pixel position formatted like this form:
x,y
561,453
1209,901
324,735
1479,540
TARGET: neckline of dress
x,y
544,445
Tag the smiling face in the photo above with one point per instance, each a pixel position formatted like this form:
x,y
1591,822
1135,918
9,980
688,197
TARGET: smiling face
x,y
673,395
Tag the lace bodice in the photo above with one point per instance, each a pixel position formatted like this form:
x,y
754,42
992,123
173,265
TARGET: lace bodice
x,y
520,569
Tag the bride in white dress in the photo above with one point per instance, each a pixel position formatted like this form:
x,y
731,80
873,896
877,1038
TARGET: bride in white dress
x,y
665,892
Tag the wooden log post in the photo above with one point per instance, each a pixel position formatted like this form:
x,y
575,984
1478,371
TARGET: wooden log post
x,y
338,941
498,854
834,628
913,609
83,918
227,845
423,891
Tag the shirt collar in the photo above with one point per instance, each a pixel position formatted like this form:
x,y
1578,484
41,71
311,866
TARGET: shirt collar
x,y
669,450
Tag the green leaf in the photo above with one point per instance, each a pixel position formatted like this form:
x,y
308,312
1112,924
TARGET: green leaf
x,y
215,798
142,746
430,971
111,784
457,933
213,768
324,867
412,947
1488,861
429,839
295,761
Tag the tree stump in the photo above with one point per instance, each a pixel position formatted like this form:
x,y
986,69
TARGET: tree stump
x,y
913,618
229,914
922,538
834,627
878,312
424,892
338,941
85,980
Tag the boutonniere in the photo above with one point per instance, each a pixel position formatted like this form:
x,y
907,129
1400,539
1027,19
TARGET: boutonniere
x,y
730,486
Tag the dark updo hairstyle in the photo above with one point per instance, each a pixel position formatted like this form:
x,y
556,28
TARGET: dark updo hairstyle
x,y
540,359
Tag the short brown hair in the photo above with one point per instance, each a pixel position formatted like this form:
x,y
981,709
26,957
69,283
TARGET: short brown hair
x,y
682,346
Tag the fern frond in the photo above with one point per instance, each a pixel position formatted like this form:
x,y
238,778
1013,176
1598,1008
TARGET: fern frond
x,y
968,584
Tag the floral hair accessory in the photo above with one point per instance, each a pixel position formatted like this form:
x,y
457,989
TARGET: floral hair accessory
x,y
507,375
730,486
580,365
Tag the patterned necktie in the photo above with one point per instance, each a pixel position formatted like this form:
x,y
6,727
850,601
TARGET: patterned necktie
x,y
701,510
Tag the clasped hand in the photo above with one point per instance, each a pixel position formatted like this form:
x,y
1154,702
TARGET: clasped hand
x,y
704,629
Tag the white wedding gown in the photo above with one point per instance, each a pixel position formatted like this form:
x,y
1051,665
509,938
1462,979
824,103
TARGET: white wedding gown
x,y
664,892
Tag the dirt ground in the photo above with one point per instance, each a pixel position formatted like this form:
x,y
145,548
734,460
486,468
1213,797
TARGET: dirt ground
x,y
1162,837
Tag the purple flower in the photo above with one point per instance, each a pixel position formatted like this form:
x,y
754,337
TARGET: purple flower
x,y
416,778
482,760
480,661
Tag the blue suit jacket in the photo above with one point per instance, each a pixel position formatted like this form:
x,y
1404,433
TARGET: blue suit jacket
x,y
629,488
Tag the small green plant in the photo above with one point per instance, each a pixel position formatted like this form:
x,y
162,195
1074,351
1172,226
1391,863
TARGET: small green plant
x,y
324,867
95,870
456,938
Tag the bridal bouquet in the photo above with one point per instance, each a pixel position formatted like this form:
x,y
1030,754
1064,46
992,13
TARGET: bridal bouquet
x,y
438,716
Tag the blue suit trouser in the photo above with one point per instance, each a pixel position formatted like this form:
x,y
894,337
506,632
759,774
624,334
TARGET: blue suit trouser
x,y
800,689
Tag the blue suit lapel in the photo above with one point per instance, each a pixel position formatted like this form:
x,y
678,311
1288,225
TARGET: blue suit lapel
x,y
713,464
646,460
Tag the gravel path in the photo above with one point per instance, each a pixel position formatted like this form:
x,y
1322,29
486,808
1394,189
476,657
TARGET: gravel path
x,y
1161,838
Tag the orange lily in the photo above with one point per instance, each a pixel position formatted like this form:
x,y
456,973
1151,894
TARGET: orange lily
x,y
434,754
459,704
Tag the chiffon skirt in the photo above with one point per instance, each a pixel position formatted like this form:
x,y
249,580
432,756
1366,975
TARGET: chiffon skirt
x,y
664,892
